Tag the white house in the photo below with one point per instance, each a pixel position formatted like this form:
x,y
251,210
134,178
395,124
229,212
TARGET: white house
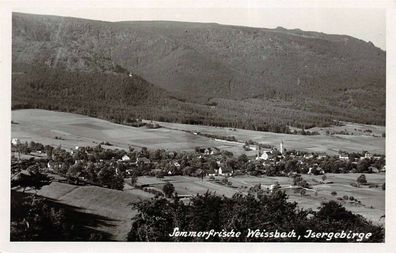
x,y
343,157
308,156
15,141
263,156
125,158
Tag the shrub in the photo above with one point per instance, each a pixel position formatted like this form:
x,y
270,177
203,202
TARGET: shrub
x,y
168,189
362,179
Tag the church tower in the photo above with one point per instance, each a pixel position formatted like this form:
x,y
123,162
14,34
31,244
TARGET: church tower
x,y
281,147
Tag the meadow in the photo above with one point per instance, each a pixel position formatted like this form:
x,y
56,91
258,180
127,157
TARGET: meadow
x,y
70,130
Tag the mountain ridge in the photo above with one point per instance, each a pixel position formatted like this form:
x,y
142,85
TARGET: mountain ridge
x,y
203,62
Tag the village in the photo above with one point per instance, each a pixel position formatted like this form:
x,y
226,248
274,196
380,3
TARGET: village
x,y
111,167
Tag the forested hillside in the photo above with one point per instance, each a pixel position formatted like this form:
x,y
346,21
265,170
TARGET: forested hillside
x,y
200,73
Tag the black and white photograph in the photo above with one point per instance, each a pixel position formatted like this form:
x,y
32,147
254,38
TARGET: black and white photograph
x,y
197,123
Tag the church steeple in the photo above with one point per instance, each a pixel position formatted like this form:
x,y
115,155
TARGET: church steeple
x,y
281,147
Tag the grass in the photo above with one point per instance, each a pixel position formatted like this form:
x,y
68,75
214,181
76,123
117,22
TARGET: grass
x,y
99,201
78,130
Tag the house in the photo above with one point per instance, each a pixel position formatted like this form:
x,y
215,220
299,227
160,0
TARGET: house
x,y
125,158
224,171
253,147
367,155
212,173
343,156
50,166
308,156
15,141
177,164
263,156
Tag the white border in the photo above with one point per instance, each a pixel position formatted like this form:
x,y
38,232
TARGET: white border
x,y
6,8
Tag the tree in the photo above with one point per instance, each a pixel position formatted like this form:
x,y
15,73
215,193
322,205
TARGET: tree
x,y
34,180
291,165
168,189
362,165
48,151
108,177
231,164
134,177
157,218
74,170
362,179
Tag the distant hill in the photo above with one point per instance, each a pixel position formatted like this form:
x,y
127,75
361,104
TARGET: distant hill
x,y
330,76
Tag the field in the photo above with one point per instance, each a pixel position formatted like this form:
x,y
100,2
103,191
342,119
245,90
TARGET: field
x,y
112,204
77,130
314,143
372,199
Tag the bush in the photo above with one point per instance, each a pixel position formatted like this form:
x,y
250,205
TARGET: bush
x,y
168,189
333,193
224,181
159,174
362,179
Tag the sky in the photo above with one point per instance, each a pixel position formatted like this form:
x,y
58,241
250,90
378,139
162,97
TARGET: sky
x,y
368,24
